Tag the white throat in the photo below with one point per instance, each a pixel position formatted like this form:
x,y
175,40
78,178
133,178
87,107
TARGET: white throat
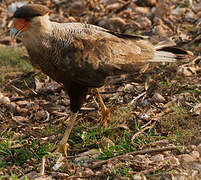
x,y
39,29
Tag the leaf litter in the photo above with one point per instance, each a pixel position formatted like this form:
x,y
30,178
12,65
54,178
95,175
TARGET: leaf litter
x,y
154,134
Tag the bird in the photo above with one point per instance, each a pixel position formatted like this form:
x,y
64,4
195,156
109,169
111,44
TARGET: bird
x,y
82,56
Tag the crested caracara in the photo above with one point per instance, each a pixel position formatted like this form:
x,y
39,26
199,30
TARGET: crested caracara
x,y
81,56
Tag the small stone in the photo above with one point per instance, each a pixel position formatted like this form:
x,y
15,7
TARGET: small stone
x,y
113,6
130,28
191,148
147,3
106,142
129,88
145,102
85,156
179,11
57,166
186,158
196,166
12,107
16,136
88,172
99,173
139,177
144,116
22,103
186,71
142,10
174,160
199,148
77,7
196,110
195,154
144,22
19,119
40,115
4,100
140,157
157,158
158,98
197,140
114,23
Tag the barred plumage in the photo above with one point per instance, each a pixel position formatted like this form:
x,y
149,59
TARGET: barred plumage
x,y
82,56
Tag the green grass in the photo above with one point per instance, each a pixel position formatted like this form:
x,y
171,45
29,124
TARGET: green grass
x,y
21,154
176,126
12,60
120,172
15,153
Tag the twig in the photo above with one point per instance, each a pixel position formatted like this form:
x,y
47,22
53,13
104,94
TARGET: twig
x,y
109,92
30,88
153,169
136,98
48,116
59,175
148,151
146,124
141,131
86,109
42,170
83,155
17,90
196,39
16,146
64,175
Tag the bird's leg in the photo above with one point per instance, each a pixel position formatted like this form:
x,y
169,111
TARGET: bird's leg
x,y
106,112
63,145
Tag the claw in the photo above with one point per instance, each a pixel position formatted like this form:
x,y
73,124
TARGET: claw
x,y
63,148
106,112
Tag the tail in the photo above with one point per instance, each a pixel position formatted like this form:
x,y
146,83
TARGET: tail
x,y
168,53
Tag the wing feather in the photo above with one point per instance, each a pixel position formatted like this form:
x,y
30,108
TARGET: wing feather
x,y
94,54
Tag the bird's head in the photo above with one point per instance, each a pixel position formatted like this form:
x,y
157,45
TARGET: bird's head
x,y
29,18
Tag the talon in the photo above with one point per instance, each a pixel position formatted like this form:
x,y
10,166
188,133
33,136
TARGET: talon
x,y
63,148
63,145
106,112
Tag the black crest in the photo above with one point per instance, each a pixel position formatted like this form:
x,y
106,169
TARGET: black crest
x,y
30,11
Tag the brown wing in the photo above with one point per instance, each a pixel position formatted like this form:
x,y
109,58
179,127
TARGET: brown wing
x,y
91,57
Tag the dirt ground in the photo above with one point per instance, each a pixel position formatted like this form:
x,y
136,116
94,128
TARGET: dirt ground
x,y
154,134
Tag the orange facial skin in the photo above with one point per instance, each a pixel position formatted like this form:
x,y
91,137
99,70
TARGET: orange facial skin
x,y
21,24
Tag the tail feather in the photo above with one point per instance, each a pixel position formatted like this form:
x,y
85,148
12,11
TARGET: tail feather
x,y
170,54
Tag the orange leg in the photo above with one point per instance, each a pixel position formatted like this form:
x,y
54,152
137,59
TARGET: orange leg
x,y
106,112
63,145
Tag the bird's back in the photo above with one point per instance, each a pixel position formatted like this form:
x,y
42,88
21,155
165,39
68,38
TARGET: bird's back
x,y
88,54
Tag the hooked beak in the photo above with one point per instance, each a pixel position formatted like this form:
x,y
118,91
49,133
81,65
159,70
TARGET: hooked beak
x,y
19,25
14,32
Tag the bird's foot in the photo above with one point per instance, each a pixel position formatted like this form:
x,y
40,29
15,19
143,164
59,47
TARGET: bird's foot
x,y
62,148
106,114
54,159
